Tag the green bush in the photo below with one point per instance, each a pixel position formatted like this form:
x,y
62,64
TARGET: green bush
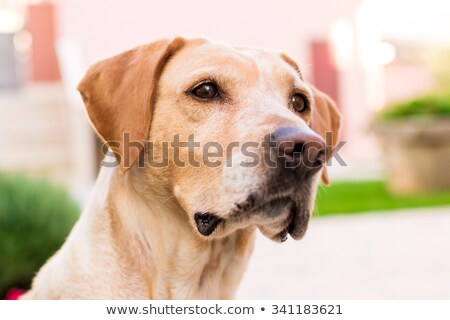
x,y
433,105
35,219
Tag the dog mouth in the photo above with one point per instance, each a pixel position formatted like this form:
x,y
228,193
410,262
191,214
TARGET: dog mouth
x,y
277,213
293,223
280,214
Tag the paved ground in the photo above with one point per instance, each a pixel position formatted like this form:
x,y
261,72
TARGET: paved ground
x,y
394,255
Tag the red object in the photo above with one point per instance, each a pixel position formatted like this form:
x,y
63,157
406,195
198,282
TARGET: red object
x,y
325,73
41,25
14,294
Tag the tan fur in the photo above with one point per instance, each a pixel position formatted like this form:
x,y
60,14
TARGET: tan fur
x,y
137,239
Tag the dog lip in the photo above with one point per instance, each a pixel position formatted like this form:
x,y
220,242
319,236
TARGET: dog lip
x,y
299,223
206,222
283,235
296,221
253,203
296,226
247,204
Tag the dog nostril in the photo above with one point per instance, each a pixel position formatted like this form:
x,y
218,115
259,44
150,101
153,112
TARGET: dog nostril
x,y
315,153
319,160
294,143
321,157
290,150
298,149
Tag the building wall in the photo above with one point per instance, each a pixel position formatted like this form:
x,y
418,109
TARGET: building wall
x,y
104,27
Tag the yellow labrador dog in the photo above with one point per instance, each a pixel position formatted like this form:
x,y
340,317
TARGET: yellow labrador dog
x,y
211,143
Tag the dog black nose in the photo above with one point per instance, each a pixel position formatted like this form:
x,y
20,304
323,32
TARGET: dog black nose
x,y
303,147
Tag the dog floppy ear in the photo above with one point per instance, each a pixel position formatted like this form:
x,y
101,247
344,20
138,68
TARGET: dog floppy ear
x,y
119,94
326,121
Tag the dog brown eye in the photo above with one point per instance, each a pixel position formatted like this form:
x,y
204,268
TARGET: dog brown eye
x,y
298,102
206,91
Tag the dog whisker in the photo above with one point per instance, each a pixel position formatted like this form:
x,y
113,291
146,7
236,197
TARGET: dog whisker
x,y
167,199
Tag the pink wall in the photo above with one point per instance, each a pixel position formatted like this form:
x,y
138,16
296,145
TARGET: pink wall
x,y
324,71
41,25
105,27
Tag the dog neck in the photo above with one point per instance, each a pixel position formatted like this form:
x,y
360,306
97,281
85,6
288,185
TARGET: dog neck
x,y
153,237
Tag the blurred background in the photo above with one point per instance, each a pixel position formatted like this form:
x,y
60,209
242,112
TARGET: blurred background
x,y
382,230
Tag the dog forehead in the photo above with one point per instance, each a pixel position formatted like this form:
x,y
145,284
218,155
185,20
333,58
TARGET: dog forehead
x,y
200,56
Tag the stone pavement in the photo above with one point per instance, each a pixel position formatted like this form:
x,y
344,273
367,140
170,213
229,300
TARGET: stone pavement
x,y
386,255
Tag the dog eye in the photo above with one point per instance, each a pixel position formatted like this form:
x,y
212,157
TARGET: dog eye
x,y
206,91
298,102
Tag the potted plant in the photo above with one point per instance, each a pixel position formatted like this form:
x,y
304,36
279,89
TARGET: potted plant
x,y
415,136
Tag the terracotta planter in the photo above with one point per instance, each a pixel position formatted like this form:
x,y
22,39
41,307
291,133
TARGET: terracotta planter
x,y
417,154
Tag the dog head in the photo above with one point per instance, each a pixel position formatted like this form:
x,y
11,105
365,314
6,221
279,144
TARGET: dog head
x,y
235,136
